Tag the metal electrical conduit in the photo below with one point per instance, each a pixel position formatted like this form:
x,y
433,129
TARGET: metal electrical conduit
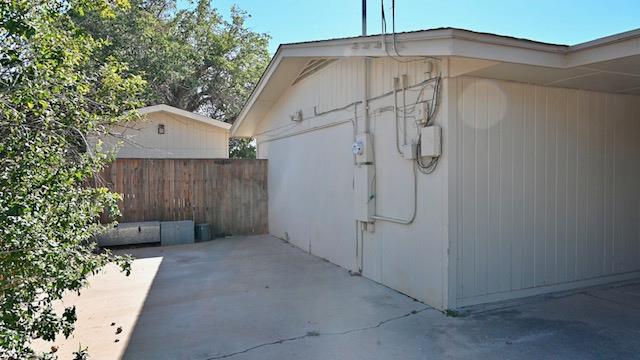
x,y
345,107
414,211
415,165
376,217
353,122
319,127
324,126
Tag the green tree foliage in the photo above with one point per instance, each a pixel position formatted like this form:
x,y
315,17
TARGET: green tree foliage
x,y
240,148
193,59
53,96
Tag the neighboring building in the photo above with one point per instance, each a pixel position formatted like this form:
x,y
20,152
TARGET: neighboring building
x,y
170,133
537,186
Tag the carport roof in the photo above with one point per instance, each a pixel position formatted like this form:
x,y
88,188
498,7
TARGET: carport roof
x,y
609,64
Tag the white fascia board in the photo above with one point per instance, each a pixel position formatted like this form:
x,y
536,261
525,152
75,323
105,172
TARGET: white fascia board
x,y
183,113
445,42
607,40
593,52
264,79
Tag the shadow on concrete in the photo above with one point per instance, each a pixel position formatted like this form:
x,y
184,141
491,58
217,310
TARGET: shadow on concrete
x,y
213,299
260,298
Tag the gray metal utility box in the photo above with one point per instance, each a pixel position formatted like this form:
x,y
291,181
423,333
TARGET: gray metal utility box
x,y
176,232
131,233
203,232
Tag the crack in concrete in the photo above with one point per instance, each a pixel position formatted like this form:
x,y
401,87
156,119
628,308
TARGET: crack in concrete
x,y
315,334
612,301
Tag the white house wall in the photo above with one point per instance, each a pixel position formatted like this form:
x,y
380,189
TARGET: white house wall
x,y
408,258
183,138
311,178
309,186
547,188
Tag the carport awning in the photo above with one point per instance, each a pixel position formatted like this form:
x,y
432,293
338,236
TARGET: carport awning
x,y
620,75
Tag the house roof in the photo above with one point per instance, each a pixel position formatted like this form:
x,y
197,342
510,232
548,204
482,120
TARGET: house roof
x,y
506,58
187,114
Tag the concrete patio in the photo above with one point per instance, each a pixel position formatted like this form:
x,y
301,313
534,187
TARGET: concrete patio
x,y
261,298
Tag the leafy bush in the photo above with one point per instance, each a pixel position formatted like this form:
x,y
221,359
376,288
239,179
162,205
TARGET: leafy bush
x,y
53,98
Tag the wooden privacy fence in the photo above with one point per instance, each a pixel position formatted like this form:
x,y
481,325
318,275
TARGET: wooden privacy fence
x,y
228,194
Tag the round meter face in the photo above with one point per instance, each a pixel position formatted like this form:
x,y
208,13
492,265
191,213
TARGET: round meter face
x,y
356,148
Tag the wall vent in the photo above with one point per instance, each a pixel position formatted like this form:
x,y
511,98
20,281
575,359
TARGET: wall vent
x,y
312,67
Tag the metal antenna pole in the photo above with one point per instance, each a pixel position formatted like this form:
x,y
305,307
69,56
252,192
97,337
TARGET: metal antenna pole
x,y
364,17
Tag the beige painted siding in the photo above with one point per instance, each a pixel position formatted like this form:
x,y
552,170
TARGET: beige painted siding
x,y
311,179
184,138
335,86
547,184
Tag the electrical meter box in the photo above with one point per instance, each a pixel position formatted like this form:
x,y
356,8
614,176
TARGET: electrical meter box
x,y
363,149
430,141
409,151
364,197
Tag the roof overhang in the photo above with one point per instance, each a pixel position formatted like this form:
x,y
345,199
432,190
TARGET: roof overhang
x,y
183,113
610,55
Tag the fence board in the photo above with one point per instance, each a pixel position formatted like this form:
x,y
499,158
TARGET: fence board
x,y
228,194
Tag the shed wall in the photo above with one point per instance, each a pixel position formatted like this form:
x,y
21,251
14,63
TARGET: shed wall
x,y
184,138
547,187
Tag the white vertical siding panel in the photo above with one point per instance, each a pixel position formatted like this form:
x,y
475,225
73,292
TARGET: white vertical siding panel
x,y
636,155
622,208
560,115
548,186
482,185
615,110
495,115
598,251
517,144
571,209
627,179
591,158
529,184
505,215
588,149
583,176
468,187
539,198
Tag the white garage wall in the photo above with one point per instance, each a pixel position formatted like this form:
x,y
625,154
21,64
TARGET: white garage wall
x,y
183,138
311,171
310,186
547,187
311,179
408,258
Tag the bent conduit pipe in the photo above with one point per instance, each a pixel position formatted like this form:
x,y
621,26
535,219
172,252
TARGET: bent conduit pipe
x,y
415,205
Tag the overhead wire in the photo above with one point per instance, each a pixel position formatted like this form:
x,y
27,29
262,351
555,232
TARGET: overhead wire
x,y
384,33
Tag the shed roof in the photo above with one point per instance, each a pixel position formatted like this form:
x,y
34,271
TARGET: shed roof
x,y
187,114
580,66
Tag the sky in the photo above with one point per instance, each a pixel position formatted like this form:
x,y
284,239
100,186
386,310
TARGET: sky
x,y
554,21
